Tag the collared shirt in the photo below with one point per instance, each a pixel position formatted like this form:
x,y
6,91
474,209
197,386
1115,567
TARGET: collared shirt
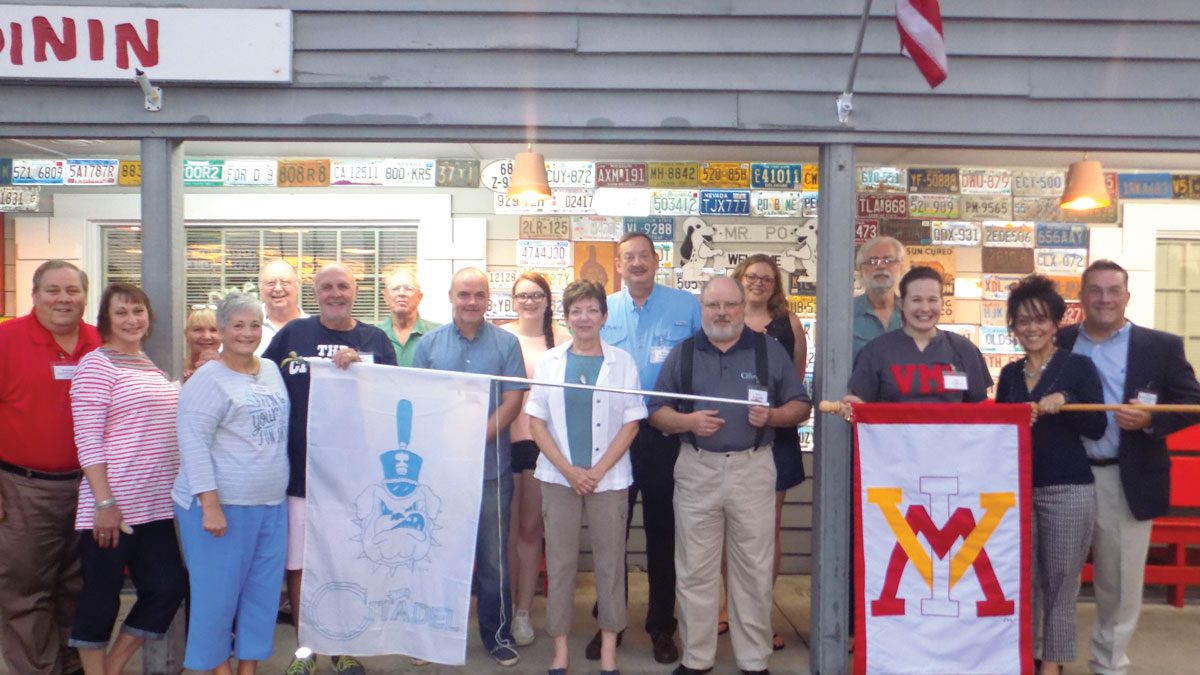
x,y
270,329
36,429
492,352
406,350
1110,355
729,374
867,326
669,316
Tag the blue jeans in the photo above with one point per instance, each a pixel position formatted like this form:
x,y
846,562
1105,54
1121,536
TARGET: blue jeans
x,y
494,603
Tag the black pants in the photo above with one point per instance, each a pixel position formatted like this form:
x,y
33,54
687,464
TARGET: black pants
x,y
653,456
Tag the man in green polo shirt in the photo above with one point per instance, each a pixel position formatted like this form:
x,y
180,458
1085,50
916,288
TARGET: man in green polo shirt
x,y
404,327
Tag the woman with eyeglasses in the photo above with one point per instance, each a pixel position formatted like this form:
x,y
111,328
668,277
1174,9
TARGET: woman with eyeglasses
x,y
124,411
1064,495
537,333
201,340
767,312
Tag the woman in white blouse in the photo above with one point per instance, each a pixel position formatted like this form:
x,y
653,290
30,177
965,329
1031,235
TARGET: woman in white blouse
x,y
584,438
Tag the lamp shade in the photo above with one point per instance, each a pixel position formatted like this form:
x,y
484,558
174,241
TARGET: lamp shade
x,y
528,181
1085,187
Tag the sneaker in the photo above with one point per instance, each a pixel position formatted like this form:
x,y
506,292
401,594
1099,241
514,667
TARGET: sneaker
x,y
306,665
522,631
347,665
505,655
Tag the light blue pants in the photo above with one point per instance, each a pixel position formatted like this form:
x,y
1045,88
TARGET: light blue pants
x,y
236,577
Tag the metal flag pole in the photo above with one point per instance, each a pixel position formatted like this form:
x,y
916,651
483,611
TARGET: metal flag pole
x,y
844,104
835,407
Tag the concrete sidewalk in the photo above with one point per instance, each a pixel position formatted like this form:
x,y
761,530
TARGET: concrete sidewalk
x,y
1167,641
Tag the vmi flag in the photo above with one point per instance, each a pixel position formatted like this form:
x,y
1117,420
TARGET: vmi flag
x,y
942,560
395,471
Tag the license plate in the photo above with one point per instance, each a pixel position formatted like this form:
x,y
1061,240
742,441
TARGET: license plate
x,y
986,207
503,279
456,173
882,179
776,176
967,330
129,173
1008,234
865,229
985,181
496,174
954,233
500,305
356,172
203,173
19,197
92,171
579,175
803,306
247,172
658,229
882,206
1061,235
1183,186
775,204
502,204
1069,286
925,181
993,313
544,227
1038,209
997,360
409,172
810,178
543,253
997,340
621,174
574,201
673,174
1145,186
808,204
674,202
907,232
666,254
303,173
1038,183
1073,315
725,174
596,228
932,206
1007,260
725,202
1061,260
38,171
996,286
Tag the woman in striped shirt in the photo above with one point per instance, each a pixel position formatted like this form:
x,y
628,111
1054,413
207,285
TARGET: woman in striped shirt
x,y
124,411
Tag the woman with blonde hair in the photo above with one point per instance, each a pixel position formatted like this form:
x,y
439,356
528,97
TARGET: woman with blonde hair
x,y
200,338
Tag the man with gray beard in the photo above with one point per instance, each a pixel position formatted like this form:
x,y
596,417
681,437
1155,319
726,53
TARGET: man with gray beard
x,y
879,262
725,474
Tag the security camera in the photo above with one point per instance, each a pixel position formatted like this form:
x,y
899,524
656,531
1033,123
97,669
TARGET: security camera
x,y
153,93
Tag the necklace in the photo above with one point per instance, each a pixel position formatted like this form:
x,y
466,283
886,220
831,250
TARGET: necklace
x,y
1034,374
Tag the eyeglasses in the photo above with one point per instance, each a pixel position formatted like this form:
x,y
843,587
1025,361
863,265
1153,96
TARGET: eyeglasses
x,y
714,306
530,297
748,279
282,283
875,261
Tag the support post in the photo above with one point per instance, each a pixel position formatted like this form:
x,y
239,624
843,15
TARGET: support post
x,y
164,250
832,465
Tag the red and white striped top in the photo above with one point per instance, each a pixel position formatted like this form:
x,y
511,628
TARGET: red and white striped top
x,y
124,410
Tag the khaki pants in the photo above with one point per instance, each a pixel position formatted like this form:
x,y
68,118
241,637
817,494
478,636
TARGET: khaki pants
x,y
39,574
725,498
562,511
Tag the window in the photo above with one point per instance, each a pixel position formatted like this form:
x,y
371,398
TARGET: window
x,y
220,260
1177,292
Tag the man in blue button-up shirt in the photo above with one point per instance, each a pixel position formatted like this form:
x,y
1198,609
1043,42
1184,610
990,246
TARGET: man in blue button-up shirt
x,y
648,320
471,345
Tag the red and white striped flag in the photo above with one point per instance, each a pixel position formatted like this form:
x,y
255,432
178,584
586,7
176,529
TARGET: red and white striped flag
x,y
920,26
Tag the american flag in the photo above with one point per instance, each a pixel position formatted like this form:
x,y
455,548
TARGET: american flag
x,y
920,26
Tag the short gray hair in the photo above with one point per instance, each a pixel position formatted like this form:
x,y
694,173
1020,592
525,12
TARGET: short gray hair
x,y
736,284
236,303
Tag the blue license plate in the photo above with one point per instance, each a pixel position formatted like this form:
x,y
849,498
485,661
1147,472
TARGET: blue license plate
x,y
725,202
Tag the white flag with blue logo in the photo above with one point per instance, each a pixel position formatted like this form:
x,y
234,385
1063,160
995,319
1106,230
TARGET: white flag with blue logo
x,y
395,472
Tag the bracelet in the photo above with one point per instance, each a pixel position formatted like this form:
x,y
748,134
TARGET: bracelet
x,y
107,503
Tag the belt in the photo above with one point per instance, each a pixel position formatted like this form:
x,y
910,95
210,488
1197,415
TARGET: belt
x,y
1103,462
40,475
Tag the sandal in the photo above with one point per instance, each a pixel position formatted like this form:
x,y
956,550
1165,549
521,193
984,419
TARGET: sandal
x,y
777,642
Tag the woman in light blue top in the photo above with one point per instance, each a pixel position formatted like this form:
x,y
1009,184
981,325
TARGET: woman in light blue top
x,y
230,495
584,436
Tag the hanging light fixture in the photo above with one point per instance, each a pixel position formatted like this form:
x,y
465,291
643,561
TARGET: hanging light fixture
x,y
1085,188
528,181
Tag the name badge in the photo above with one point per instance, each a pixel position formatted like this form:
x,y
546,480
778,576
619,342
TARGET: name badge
x,y
367,357
63,371
757,395
1147,397
954,381
659,354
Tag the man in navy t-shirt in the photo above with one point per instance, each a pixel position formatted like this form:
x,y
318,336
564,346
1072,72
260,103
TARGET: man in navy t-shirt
x,y
336,335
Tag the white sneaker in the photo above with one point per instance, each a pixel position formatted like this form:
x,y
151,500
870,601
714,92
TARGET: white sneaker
x,y
522,631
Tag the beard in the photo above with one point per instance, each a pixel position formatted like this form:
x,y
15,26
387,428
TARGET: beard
x,y
721,332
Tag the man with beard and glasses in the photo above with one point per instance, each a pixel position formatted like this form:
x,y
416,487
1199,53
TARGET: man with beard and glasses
x,y
279,290
879,262
725,474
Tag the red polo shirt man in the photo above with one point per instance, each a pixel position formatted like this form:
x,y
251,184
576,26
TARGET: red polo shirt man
x,y
39,472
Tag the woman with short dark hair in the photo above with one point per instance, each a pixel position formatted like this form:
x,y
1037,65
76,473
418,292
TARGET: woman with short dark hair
x,y
124,412
1064,498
